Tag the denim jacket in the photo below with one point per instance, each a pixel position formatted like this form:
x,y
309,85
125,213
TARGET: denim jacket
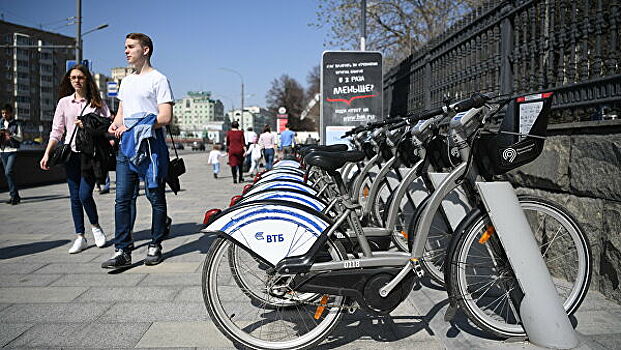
x,y
146,148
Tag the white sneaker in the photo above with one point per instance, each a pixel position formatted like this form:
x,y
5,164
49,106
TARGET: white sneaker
x,y
100,237
78,245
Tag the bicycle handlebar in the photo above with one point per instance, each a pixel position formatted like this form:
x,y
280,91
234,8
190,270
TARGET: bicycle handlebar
x,y
475,101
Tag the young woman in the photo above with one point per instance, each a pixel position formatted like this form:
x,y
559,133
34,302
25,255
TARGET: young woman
x,y
79,96
236,146
267,141
145,108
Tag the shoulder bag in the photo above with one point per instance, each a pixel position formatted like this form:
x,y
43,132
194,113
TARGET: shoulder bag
x,y
176,167
62,152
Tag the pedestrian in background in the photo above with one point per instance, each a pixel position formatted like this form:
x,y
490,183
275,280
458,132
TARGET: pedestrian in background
x,y
79,97
267,142
214,159
10,140
254,153
236,145
287,141
145,107
250,137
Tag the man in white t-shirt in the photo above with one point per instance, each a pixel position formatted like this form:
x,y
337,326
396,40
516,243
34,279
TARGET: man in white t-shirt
x,y
145,93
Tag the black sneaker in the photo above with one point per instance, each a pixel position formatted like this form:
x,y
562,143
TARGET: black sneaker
x,y
15,200
120,259
154,255
167,226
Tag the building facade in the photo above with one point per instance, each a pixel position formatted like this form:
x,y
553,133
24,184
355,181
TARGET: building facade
x,y
34,63
101,80
253,116
197,113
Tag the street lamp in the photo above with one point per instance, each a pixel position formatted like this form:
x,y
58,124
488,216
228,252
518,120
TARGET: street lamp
x,y
242,92
101,26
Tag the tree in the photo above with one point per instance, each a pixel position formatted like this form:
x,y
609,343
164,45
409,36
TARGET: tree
x,y
287,92
397,28
314,83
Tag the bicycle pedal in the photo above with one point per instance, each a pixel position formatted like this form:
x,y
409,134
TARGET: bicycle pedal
x,y
418,269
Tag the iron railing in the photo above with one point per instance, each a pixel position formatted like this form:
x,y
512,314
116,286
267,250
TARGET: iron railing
x,y
570,47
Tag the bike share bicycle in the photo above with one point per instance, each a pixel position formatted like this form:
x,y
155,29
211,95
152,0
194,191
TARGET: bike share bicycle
x,y
310,270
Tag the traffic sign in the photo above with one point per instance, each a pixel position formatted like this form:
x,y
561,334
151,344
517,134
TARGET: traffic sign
x,y
70,63
113,88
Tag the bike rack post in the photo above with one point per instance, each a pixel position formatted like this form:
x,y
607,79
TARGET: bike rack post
x,y
541,311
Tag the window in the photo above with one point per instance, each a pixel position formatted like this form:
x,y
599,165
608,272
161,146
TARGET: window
x,y
46,78
46,67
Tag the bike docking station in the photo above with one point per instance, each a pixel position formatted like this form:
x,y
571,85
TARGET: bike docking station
x,y
545,321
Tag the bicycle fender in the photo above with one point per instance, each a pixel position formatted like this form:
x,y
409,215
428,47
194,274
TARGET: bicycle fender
x,y
282,184
291,196
287,163
279,176
272,230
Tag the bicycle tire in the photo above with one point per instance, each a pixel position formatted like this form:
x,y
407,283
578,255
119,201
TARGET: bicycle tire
x,y
247,333
465,280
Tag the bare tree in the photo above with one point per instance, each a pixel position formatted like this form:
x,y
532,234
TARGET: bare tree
x,y
313,79
286,92
397,28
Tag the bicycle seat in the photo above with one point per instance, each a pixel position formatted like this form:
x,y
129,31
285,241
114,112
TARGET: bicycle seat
x,y
332,148
330,161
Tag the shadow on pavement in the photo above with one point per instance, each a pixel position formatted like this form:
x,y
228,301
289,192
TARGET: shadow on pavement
x,y
34,199
380,328
30,248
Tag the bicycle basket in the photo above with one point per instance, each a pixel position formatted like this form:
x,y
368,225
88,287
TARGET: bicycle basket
x,y
499,153
406,151
367,148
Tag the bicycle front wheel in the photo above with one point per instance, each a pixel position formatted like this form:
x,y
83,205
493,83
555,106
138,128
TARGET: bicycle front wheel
x,y
482,279
269,316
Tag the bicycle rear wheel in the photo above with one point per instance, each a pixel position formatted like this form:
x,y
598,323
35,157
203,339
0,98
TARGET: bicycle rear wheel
x,y
269,316
483,282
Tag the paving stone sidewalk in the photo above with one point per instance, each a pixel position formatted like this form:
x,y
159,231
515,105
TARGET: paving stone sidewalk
x,y
50,299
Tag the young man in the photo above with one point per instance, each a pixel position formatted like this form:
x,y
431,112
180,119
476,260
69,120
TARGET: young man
x,y
10,139
145,108
287,140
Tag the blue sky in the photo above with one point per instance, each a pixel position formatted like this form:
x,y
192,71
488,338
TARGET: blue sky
x,y
261,39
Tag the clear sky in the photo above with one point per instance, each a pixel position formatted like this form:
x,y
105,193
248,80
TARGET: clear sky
x,y
261,39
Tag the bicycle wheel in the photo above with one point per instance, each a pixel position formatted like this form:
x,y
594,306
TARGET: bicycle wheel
x,y
381,201
438,240
482,280
257,324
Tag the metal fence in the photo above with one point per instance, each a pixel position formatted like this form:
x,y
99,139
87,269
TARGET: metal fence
x,y
570,47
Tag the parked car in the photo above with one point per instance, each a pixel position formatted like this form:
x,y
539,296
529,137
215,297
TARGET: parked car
x,y
178,145
198,146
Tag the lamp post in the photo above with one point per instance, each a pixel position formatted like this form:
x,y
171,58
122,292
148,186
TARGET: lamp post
x,y
79,34
242,92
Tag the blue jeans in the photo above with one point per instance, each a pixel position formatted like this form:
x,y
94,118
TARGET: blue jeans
x,y
268,153
81,194
8,160
216,168
127,182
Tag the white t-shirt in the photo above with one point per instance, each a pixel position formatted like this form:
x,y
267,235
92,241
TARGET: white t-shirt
x,y
143,93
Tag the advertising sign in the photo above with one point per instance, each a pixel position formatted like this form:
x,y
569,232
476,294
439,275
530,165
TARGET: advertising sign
x,y
351,92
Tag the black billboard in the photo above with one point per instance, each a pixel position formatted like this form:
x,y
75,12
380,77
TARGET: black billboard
x,y
351,92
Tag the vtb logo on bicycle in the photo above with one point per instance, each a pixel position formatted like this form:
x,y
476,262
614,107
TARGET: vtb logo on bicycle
x,y
274,238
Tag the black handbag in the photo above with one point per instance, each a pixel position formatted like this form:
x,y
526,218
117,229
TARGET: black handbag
x,y
61,153
176,167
